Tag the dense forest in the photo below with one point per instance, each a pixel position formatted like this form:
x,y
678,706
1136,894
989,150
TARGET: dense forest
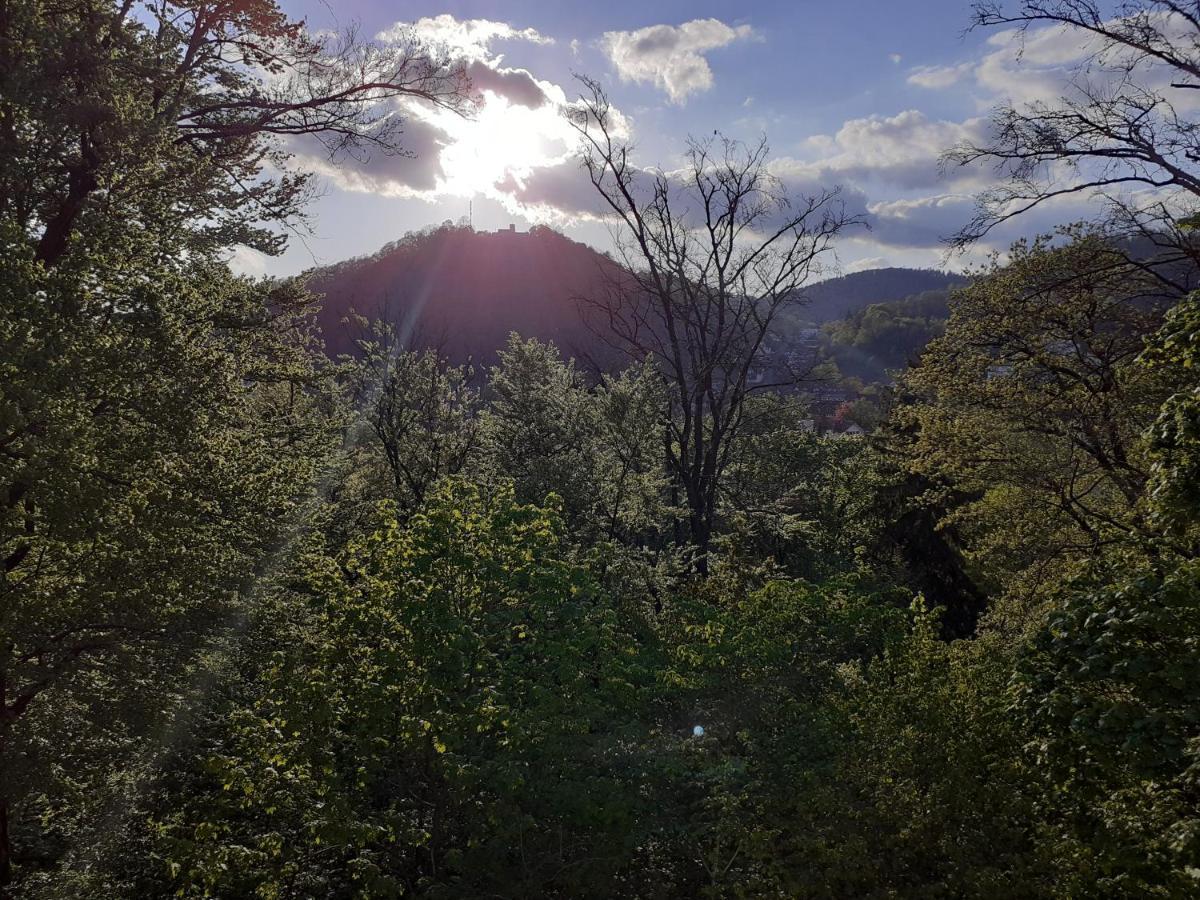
x,y
283,620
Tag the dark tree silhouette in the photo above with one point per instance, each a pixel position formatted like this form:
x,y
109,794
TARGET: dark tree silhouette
x,y
1125,122
224,83
713,253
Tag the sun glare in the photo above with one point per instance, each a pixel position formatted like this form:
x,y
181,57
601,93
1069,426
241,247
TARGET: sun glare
x,y
504,139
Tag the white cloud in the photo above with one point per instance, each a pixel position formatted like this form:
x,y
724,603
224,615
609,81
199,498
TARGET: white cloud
x,y
471,38
469,42
895,58
901,150
556,193
938,77
926,221
516,128
417,171
923,222
864,263
516,85
245,260
671,57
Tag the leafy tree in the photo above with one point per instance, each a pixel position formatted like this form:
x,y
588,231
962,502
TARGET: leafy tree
x,y
792,496
1107,698
746,804
884,338
170,115
629,475
155,434
1034,406
1175,437
935,800
449,727
1108,689
423,413
599,449
159,417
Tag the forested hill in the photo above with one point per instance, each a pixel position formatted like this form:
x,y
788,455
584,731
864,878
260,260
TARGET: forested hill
x,y
837,298
464,291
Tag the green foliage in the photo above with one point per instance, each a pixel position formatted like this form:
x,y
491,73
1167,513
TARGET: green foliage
x,y
473,654
794,497
450,726
1034,403
422,412
598,450
1175,437
157,433
884,337
1109,694
936,804
745,807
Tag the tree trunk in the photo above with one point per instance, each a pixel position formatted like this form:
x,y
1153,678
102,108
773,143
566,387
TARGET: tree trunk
x,y
6,649
5,847
81,182
700,527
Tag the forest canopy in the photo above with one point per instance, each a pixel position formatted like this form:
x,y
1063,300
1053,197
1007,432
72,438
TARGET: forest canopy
x,y
278,623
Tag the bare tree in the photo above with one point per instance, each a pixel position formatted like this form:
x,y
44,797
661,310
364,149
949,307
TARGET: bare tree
x,y
1124,123
712,253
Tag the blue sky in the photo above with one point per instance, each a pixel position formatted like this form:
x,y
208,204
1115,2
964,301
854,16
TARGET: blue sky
x,y
864,94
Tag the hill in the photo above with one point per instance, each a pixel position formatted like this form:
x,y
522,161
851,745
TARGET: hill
x,y
839,297
464,291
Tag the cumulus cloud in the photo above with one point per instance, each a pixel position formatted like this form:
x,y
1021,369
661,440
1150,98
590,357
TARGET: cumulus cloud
x,y
516,128
554,193
516,85
1037,64
938,77
470,38
244,260
922,222
926,221
900,150
864,263
411,174
914,208
469,41
671,57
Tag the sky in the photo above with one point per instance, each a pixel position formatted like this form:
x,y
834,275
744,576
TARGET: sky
x,y
860,94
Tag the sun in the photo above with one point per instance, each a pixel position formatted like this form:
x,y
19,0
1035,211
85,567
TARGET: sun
x,y
503,139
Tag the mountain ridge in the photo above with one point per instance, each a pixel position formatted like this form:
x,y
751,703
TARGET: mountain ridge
x,y
464,291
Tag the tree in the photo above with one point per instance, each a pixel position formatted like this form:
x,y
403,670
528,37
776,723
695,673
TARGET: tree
x,y
1123,123
1175,436
596,448
1107,691
540,427
713,254
102,108
449,724
934,801
1033,406
154,442
158,417
423,413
